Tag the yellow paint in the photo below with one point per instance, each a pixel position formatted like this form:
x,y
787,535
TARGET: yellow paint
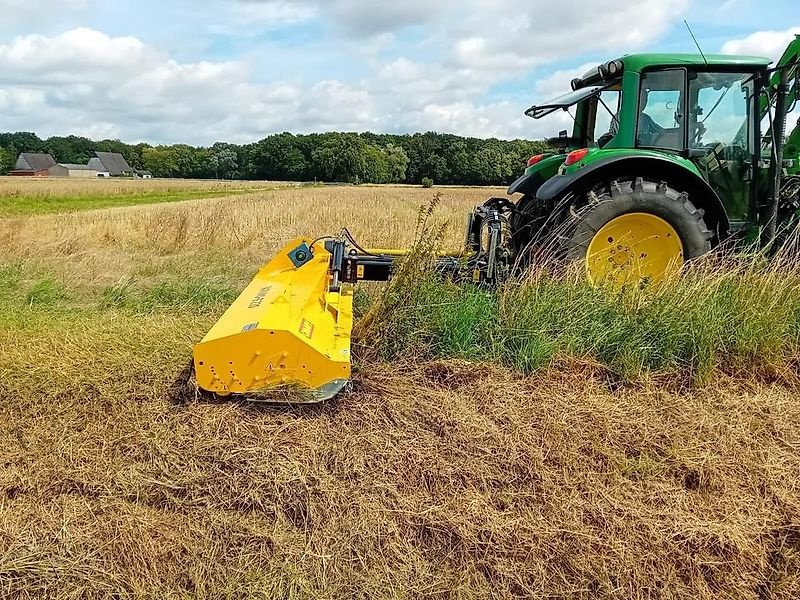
x,y
388,251
406,252
286,328
634,248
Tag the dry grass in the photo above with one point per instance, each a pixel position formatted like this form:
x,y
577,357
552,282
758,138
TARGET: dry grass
x,y
46,187
435,479
442,480
23,196
105,245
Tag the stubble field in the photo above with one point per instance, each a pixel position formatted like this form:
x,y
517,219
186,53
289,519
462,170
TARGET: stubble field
x,y
660,463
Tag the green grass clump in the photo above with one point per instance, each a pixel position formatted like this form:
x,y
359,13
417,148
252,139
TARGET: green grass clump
x,y
740,317
10,277
46,292
16,206
195,294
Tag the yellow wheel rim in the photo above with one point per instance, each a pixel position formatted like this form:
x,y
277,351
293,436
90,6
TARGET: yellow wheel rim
x,y
637,248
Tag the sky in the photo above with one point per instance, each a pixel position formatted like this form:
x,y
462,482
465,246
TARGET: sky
x,y
200,71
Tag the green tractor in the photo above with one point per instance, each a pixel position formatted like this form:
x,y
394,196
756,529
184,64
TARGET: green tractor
x,y
671,155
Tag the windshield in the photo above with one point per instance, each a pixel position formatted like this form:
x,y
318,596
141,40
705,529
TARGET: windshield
x,y
720,110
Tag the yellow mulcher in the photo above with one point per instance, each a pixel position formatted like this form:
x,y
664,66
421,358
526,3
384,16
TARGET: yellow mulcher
x,y
291,326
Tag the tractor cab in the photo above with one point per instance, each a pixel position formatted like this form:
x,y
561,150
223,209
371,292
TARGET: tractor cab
x,y
708,114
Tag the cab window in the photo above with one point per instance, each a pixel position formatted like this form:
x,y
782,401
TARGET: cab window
x,y
661,120
606,124
720,115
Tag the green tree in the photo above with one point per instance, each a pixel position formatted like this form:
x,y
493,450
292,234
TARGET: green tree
x,y
397,160
349,157
7,160
22,141
223,163
161,161
70,149
340,157
279,157
376,165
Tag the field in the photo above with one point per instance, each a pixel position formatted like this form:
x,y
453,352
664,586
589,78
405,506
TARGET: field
x,y
544,442
26,196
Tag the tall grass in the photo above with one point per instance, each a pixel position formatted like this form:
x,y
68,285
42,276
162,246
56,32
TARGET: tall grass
x,y
736,314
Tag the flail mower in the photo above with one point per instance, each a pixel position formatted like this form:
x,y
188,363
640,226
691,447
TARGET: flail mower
x,y
670,155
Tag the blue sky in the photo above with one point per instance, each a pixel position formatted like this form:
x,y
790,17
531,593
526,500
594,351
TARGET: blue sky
x,y
237,70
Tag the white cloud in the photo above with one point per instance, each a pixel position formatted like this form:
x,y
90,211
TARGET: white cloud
x,y
86,82
272,12
74,56
770,44
15,12
515,34
558,82
366,64
361,18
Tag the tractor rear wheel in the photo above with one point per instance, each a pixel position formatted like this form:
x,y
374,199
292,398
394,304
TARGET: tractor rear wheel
x,y
526,221
632,231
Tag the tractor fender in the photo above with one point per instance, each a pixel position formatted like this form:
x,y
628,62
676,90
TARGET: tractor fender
x,y
528,183
656,169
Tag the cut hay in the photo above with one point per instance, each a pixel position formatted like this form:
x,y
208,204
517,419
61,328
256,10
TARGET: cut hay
x,y
445,479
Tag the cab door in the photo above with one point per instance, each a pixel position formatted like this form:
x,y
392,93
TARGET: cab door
x,y
722,137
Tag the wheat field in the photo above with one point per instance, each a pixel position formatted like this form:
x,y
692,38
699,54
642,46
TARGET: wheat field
x,y
435,477
56,187
105,245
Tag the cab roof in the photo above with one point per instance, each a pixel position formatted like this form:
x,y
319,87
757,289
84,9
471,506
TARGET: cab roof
x,y
638,62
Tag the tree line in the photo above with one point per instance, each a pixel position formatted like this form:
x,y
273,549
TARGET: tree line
x,y
324,157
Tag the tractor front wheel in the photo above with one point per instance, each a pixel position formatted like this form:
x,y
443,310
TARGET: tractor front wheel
x,y
633,232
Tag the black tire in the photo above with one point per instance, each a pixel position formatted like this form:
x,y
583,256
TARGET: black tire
x,y
585,216
523,222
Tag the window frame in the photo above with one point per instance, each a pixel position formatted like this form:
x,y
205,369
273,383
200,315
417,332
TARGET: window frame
x,y
753,128
595,109
684,108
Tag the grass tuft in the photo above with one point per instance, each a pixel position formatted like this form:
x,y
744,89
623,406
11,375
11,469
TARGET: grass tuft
x,y
46,292
734,316
10,277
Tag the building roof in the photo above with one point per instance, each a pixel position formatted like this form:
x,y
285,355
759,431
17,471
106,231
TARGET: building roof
x,y
94,163
112,162
34,161
73,167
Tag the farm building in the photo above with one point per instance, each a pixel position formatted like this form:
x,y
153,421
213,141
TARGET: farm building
x,y
110,164
33,164
77,171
